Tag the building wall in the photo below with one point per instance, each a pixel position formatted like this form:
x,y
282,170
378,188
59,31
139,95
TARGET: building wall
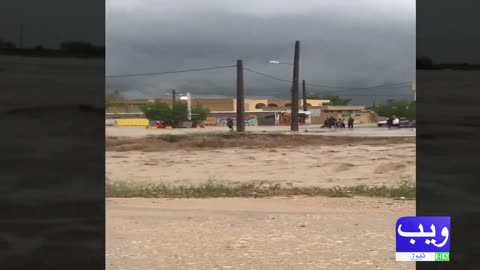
x,y
279,102
251,104
217,104
343,108
363,117
317,120
286,103
267,120
124,108
315,102
124,115
262,117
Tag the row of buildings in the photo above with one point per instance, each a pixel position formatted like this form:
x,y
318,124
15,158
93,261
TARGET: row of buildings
x,y
258,111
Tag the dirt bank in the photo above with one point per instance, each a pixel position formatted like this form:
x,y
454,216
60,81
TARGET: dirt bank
x,y
252,141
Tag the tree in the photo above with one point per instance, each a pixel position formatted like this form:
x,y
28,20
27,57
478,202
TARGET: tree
x,y
162,111
334,100
157,111
399,108
201,112
412,110
112,98
180,113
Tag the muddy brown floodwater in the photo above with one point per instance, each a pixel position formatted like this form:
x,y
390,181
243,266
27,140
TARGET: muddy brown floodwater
x,y
276,159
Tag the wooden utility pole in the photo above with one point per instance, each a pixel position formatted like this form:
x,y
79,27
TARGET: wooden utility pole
x,y
240,98
173,104
304,95
173,98
189,106
296,71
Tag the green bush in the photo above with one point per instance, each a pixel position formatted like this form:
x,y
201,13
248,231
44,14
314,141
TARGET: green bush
x,y
162,111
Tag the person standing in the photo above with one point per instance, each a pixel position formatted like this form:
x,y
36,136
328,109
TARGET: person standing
x,y
350,122
332,122
390,122
230,124
396,121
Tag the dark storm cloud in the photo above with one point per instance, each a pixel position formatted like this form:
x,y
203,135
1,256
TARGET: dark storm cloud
x,y
366,43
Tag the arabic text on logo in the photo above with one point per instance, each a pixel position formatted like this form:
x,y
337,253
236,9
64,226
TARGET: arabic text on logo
x,y
423,238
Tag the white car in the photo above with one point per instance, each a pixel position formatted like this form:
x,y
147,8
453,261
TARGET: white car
x,y
403,123
382,123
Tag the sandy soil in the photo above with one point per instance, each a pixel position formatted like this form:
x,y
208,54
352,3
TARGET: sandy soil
x,y
261,234
304,161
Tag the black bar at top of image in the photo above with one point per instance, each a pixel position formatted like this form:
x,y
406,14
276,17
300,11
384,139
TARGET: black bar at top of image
x,y
52,68
448,117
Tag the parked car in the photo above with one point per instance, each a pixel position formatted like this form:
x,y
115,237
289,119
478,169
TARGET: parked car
x,y
403,123
382,123
408,124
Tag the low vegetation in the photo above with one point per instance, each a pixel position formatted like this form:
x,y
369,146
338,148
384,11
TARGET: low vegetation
x,y
399,108
215,190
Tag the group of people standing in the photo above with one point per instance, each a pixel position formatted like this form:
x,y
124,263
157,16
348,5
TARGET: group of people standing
x,y
331,122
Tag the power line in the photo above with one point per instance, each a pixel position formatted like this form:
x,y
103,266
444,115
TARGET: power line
x,y
378,87
266,75
169,72
357,89
364,88
260,90
374,95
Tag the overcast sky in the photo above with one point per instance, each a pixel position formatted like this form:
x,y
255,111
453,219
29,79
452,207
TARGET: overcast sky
x,y
357,44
